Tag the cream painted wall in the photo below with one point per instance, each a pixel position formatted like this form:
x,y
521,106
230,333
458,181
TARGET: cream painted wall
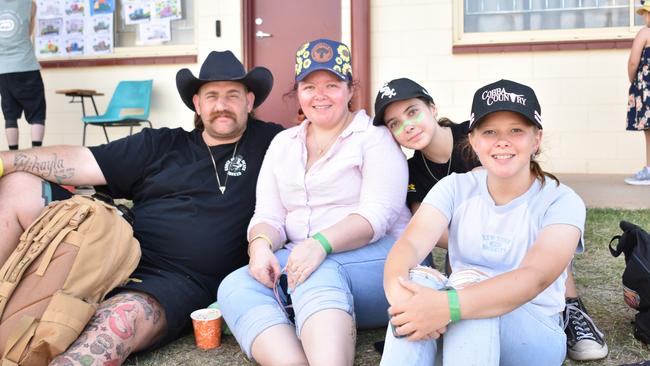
x,y
583,93
63,123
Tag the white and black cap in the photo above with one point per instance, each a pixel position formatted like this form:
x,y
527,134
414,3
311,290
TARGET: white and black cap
x,y
396,90
505,95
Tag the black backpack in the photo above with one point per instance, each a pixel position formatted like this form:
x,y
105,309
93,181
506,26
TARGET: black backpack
x,y
635,244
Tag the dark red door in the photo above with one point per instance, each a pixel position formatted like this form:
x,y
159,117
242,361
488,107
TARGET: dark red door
x,y
274,31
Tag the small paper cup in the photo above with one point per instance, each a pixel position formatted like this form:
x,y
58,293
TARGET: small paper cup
x,y
207,328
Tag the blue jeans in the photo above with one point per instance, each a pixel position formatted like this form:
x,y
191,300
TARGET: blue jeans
x,y
351,281
523,336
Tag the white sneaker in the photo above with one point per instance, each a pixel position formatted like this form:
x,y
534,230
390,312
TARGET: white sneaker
x,y
584,340
641,178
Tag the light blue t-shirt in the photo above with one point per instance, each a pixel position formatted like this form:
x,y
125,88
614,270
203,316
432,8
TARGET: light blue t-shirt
x,y
494,239
16,49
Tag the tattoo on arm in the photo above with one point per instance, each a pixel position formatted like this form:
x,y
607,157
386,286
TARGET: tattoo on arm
x,y
52,169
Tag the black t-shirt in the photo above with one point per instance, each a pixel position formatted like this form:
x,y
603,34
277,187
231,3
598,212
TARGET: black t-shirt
x,y
182,220
421,181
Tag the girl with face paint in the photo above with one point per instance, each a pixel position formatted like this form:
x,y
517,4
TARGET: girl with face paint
x,y
408,111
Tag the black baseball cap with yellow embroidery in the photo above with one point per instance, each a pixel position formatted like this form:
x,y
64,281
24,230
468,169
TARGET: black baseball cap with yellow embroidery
x,y
505,95
324,54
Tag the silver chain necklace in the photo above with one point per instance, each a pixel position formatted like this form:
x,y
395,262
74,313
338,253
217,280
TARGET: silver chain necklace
x,y
222,188
424,160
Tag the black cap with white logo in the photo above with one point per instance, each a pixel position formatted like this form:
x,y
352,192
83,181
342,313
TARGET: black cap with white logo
x,y
505,95
396,90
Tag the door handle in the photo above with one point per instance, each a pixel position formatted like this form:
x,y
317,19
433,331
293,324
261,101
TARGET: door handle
x,y
261,35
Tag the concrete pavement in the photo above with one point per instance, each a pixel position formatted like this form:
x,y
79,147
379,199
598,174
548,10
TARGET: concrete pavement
x,y
607,191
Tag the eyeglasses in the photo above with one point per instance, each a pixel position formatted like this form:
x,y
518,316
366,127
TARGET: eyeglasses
x,y
282,296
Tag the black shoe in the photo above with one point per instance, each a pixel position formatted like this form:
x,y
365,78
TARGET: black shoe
x,y
584,340
379,347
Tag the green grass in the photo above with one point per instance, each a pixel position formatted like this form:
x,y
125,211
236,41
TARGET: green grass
x,y
598,277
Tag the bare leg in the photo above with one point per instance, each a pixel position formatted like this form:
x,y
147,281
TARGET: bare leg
x,y
38,131
647,147
265,347
12,136
126,323
571,290
326,331
21,201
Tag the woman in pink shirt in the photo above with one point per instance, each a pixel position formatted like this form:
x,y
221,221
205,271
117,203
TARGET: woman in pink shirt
x,y
330,201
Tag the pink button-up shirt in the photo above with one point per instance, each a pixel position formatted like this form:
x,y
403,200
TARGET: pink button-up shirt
x,y
364,173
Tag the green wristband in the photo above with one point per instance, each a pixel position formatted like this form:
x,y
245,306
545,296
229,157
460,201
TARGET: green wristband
x,y
323,242
454,305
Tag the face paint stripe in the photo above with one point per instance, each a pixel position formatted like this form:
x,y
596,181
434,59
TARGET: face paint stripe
x,y
409,122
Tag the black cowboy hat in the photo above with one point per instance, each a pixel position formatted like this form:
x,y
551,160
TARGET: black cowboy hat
x,y
224,66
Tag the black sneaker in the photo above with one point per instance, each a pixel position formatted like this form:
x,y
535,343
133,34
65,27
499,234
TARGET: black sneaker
x,y
584,340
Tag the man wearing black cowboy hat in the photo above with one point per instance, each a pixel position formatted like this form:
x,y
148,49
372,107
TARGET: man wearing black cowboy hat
x,y
193,194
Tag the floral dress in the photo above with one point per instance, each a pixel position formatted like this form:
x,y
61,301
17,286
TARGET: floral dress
x,y
638,103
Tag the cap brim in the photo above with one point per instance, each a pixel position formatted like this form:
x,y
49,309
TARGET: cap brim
x,y
642,10
259,81
478,119
302,76
378,120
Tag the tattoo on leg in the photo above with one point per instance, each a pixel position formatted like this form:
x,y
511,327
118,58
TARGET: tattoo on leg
x,y
119,322
61,361
102,345
107,339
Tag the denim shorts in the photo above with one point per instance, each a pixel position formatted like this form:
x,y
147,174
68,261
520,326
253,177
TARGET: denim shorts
x,y
351,281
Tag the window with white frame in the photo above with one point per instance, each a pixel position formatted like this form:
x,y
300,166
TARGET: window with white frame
x,y
503,21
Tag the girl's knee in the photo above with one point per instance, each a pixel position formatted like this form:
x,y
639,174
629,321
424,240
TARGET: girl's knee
x,y
466,277
428,277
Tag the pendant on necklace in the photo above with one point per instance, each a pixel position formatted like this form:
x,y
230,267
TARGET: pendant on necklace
x,y
320,152
222,189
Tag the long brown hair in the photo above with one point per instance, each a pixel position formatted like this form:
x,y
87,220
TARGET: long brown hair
x,y
468,153
466,150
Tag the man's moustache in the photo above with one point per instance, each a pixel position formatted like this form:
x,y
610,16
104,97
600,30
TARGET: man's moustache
x,y
223,114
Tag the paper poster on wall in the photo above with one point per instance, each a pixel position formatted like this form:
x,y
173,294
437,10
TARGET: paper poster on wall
x,y
102,6
74,46
102,24
136,11
74,26
167,9
75,8
49,9
101,44
154,32
48,47
50,27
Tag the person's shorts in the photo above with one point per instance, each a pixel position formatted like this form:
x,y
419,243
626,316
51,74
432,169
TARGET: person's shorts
x,y
54,192
179,292
179,295
23,92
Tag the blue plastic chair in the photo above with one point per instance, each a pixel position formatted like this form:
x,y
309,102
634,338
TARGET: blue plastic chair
x,y
129,106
